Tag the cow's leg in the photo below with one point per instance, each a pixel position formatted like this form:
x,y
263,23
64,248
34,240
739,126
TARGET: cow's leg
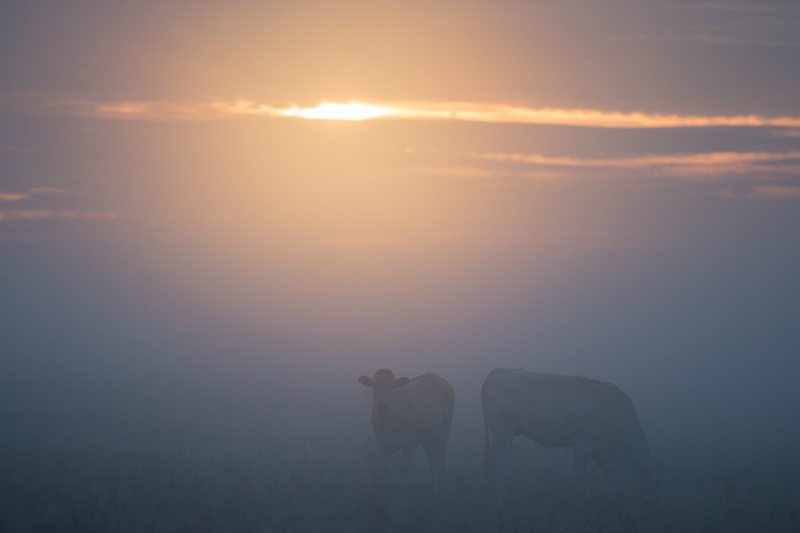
x,y
500,458
500,468
405,461
582,450
385,457
430,452
435,453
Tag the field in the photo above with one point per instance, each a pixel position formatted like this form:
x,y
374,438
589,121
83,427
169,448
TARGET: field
x,y
71,490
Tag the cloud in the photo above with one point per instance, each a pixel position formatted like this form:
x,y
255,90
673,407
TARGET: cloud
x,y
46,214
700,165
777,192
35,215
330,111
452,172
440,111
501,113
789,134
123,109
12,196
700,159
6,196
508,114
763,192
48,190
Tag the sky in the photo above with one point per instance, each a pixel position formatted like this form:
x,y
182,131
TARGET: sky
x,y
214,218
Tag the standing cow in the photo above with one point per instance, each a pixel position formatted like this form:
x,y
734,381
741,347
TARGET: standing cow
x,y
409,412
594,418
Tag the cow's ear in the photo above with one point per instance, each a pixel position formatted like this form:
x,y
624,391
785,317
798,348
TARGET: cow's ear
x,y
364,380
402,382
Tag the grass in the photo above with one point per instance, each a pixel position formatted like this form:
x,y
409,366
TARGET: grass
x,y
70,490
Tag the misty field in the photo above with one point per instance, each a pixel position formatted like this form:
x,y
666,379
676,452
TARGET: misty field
x,y
69,490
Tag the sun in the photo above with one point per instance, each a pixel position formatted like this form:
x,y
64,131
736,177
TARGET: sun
x,y
333,111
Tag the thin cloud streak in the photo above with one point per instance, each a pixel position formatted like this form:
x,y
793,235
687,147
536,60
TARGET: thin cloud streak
x,y
444,111
46,214
788,134
6,196
56,191
777,192
701,159
501,113
12,196
682,165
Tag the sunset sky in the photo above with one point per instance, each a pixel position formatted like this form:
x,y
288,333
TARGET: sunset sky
x,y
225,204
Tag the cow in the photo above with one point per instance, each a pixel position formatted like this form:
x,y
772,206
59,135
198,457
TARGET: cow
x,y
410,412
596,419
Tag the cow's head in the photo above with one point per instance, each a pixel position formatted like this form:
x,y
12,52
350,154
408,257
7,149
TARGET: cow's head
x,y
383,384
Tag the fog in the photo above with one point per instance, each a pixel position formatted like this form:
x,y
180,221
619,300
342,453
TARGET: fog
x,y
256,273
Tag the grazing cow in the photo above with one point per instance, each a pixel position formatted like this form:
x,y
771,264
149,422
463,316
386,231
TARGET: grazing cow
x,y
594,418
409,412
